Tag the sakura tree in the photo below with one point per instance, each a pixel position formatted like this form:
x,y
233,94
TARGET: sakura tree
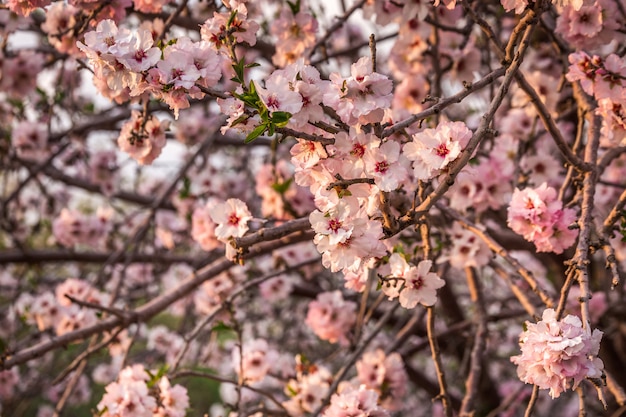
x,y
310,208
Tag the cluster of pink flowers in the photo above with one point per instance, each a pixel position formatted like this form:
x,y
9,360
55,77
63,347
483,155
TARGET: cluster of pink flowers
x,y
353,401
130,396
218,30
520,5
295,35
30,140
254,361
73,227
412,284
331,317
55,310
558,354
539,216
128,64
362,97
434,149
384,374
592,25
143,138
605,79
345,236
308,389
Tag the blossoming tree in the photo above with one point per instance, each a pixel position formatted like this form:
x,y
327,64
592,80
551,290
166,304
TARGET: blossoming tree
x,y
303,208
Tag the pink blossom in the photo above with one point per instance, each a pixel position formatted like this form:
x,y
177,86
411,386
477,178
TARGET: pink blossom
x,y
589,26
129,396
466,249
278,95
385,166
352,401
72,227
331,317
384,374
30,140
203,227
9,379
295,36
308,389
149,6
433,149
254,361
362,97
231,217
173,400
420,286
59,25
142,139
558,354
214,30
537,215
25,7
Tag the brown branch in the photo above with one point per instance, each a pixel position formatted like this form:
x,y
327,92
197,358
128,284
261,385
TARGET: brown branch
x,y
436,355
498,249
447,179
143,313
62,255
265,234
443,103
480,342
335,26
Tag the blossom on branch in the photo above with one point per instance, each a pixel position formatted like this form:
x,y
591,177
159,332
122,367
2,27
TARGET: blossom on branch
x,y
558,354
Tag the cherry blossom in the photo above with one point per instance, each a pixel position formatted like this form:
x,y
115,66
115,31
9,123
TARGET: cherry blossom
x,y
331,317
231,217
558,354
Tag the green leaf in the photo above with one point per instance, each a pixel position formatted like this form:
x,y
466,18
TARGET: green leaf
x,y
253,64
258,131
221,327
294,6
155,378
185,192
281,118
231,19
240,119
282,187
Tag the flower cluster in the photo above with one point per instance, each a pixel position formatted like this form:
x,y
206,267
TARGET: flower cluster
x,y
384,374
128,64
308,389
130,396
433,149
412,284
353,401
73,227
55,310
331,317
605,79
539,216
558,354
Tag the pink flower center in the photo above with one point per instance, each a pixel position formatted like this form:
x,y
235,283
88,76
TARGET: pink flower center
x,y
233,219
140,55
334,225
382,166
417,283
442,150
358,150
272,102
177,73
